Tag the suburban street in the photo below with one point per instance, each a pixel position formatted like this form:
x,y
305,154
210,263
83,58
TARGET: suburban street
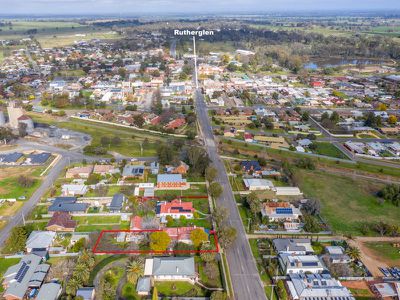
x,y
244,274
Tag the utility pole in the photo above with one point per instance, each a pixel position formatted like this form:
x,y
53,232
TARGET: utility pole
x,y
195,62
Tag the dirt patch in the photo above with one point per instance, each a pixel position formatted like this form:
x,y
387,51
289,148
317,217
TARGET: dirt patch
x,y
7,172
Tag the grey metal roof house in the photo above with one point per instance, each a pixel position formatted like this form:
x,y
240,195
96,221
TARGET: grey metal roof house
x,y
117,202
28,273
143,286
67,204
293,246
171,268
40,240
170,178
49,291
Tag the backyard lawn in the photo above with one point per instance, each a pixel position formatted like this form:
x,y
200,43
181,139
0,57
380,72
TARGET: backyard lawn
x,y
179,288
9,186
328,149
346,202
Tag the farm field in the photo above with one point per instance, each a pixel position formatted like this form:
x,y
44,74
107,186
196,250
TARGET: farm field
x,y
346,203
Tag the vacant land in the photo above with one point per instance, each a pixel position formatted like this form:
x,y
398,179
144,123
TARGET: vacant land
x,y
329,149
386,252
9,186
346,202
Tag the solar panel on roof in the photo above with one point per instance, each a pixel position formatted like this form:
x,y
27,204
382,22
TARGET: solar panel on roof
x,y
284,211
22,274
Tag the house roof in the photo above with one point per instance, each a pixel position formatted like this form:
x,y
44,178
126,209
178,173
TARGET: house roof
x,y
40,239
49,291
170,178
27,273
143,284
117,201
251,165
67,204
282,245
62,219
174,266
85,292
252,182
133,170
10,157
174,207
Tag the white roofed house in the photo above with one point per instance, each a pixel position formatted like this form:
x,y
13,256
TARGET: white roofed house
x,y
74,189
394,148
295,264
316,286
254,184
39,242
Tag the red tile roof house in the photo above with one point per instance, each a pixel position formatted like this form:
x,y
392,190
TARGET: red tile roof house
x,y
171,182
176,208
174,124
181,234
61,221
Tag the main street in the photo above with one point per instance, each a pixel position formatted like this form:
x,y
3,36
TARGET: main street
x,y
243,270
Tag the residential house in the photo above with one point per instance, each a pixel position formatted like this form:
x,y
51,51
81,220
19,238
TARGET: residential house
x,y
74,189
105,169
133,171
316,286
29,273
337,255
300,264
250,166
248,137
287,191
39,241
79,172
67,204
255,184
282,212
175,209
171,268
86,293
293,246
61,221
182,169
116,203
154,168
49,291
175,124
172,182
181,234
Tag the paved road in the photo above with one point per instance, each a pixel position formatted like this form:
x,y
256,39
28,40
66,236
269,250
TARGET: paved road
x,y
243,270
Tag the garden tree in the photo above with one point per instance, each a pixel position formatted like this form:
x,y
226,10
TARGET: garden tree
x,y
391,192
198,160
268,122
334,117
206,254
159,241
280,287
138,121
166,154
382,107
253,202
226,236
312,207
311,224
22,129
211,173
105,141
108,292
131,107
93,179
79,245
211,270
170,221
218,295
305,116
82,272
354,253
225,58
215,189
198,236
373,121
155,294
72,286
16,241
220,215
134,269
392,120
6,134
25,181
262,161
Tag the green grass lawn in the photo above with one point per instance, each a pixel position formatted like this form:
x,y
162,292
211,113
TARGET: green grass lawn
x,y
9,188
97,220
179,288
346,202
100,227
216,283
194,190
5,263
101,262
112,190
328,149
129,292
387,251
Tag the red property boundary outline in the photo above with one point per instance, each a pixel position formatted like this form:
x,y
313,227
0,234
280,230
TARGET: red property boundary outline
x,y
96,251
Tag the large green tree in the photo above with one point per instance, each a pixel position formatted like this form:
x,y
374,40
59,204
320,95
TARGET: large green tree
x,y
159,241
